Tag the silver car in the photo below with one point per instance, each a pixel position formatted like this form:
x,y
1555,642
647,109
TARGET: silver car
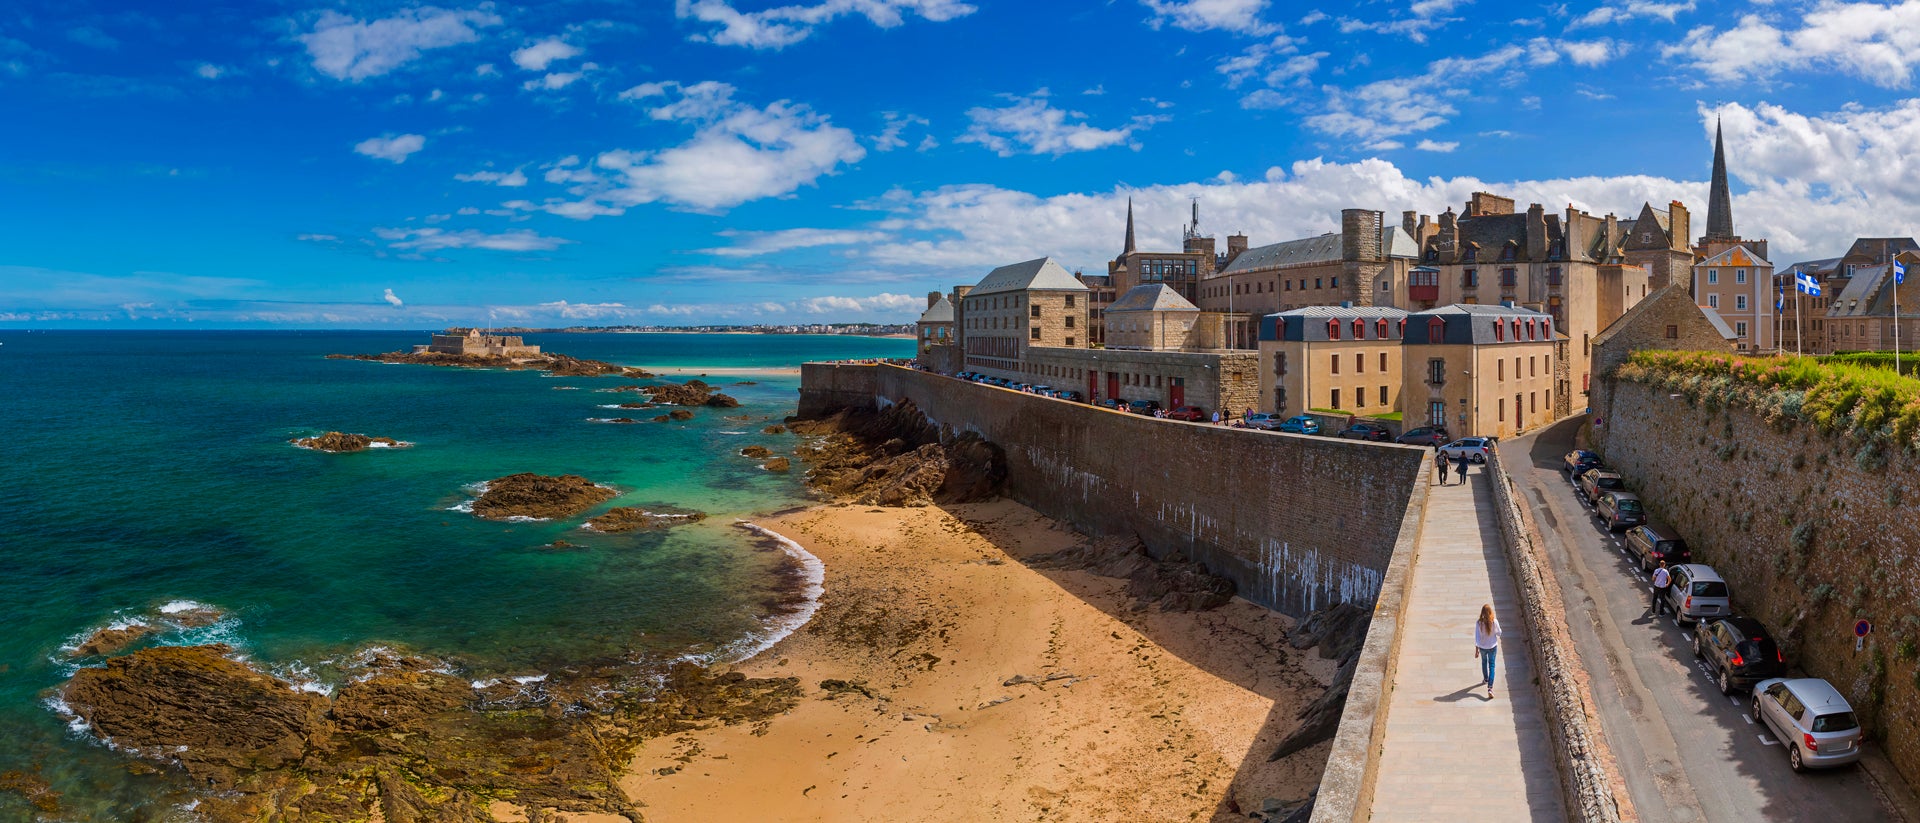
x,y
1811,719
1263,420
1697,592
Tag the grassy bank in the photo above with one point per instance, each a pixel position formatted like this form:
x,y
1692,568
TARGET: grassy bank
x,y
1872,405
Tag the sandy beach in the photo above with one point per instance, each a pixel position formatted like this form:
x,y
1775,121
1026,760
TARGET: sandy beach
x,y
975,687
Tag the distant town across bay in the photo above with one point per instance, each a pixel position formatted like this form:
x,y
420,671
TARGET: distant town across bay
x,y
860,329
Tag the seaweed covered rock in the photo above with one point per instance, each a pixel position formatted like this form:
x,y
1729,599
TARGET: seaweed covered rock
x,y
338,442
690,393
756,452
539,496
636,518
558,365
722,401
777,464
896,457
113,639
680,414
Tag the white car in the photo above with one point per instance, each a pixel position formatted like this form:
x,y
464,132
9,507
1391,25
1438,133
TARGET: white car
x,y
1475,449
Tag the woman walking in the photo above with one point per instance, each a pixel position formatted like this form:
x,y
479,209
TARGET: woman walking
x,y
1486,644
1461,469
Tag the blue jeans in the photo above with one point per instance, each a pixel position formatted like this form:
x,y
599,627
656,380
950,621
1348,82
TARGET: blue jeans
x,y
1486,664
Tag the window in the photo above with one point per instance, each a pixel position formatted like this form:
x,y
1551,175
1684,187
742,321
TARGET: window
x,y
1713,275
1739,275
1436,371
1469,278
1069,321
1335,361
1336,399
1508,279
1380,331
1533,405
1383,395
1036,332
1333,283
1499,331
1359,398
1333,330
1316,282
1713,301
1500,369
1531,371
1739,302
1740,329
1288,284
1359,363
1383,361
1069,301
1437,413
1436,331
1500,407
1280,363
1036,311
1359,329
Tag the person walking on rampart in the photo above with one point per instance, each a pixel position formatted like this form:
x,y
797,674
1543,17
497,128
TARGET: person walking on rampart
x,y
1661,580
1442,463
1486,644
1461,469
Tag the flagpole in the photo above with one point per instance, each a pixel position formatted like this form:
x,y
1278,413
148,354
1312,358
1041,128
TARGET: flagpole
x,y
1799,325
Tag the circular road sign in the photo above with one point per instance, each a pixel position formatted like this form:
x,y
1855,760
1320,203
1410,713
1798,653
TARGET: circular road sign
x,y
1862,628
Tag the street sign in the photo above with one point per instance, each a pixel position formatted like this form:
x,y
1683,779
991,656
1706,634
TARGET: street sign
x,y
1862,629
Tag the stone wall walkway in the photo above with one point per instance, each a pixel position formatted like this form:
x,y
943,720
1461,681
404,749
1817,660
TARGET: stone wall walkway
x,y
1451,754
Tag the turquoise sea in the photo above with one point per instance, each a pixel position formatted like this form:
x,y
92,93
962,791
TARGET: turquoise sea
x,y
143,469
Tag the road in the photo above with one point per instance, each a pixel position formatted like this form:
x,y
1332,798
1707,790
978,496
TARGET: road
x,y
1687,752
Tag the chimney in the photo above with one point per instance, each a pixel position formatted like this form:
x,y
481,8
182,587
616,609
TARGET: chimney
x,y
1236,243
1406,221
1536,232
1613,237
1679,220
932,298
1486,203
1346,304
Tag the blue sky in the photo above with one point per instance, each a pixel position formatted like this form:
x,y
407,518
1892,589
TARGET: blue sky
x,y
393,165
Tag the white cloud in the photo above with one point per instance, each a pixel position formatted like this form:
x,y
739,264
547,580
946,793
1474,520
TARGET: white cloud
x,y
1404,105
889,137
738,153
755,243
486,70
393,148
555,81
1437,146
1422,16
1622,12
1240,16
1030,125
434,239
538,56
782,26
393,299
1593,52
1866,40
511,179
209,71
348,48
883,302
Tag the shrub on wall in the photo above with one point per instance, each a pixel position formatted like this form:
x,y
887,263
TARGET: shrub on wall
x,y
1873,406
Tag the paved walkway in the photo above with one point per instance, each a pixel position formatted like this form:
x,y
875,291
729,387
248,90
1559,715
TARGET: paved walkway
x,y
1450,753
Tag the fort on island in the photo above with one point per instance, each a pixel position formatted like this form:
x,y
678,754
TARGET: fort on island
x,y
476,343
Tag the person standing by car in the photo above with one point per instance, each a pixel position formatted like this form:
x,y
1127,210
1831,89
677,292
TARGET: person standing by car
x,y
1661,580
1486,644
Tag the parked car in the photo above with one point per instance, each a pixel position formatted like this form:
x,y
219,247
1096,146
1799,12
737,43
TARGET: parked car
x,y
1113,403
1619,510
1697,593
1367,431
1146,407
1596,481
1650,544
1070,395
1424,436
1263,420
1813,722
1577,462
1300,424
1475,448
1740,651
1189,413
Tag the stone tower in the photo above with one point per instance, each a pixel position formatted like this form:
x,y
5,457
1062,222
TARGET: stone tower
x,y
1129,246
1719,201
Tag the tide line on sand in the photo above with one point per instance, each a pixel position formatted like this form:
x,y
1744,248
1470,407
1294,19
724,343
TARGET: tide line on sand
x,y
778,627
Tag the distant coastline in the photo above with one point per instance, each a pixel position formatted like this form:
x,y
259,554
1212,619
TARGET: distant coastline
x,y
884,330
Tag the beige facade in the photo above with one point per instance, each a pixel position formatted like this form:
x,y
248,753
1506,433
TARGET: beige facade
x,y
1332,358
1212,380
1737,283
1017,307
1478,370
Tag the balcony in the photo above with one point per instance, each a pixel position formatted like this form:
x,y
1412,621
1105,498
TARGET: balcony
x,y
1429,292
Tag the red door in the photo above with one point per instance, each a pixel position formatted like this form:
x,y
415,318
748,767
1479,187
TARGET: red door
x,y
1176,395
1093,387
1113,384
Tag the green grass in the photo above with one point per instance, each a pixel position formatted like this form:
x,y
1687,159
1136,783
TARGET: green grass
x,y
1393,416
1909,362
1333,411
1870,404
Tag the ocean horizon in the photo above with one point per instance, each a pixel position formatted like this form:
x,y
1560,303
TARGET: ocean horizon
x,y
149,473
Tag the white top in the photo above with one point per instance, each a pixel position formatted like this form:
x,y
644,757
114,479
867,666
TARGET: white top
x,y
1486,639
1661,578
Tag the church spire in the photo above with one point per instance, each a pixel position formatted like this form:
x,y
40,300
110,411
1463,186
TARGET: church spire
x,y
1129,248
1719,202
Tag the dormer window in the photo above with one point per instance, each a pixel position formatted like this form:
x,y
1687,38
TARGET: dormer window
x,y
1499,332
1359,329
1333,330
1380,328
1437,330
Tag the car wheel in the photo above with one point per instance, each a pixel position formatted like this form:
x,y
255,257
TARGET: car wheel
x,y
1699,646
1793,759
1479,458
1756,708
1726,681
1641,561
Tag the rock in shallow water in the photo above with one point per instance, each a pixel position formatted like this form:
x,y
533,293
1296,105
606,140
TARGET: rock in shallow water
x,y
634,518
340,443
111,640
539,496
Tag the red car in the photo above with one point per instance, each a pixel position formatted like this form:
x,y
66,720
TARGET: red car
x,y
1192,414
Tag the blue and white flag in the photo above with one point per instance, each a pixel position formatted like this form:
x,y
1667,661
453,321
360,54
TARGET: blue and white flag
x,y
1899,272
1779,293
1805,283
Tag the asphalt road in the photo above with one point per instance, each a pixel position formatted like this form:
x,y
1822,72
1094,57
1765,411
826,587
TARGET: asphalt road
x,y
1687,752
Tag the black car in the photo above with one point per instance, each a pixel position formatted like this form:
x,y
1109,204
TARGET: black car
x,y
1577,462
1366,431
1739,651
1650,544
1428,436
1146,407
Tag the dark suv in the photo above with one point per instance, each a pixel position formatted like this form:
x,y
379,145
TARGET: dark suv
x,y
1649,544
1739,651
1428,436
1577,462
1366,431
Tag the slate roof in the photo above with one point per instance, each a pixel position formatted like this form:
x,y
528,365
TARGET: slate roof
x,y
1470,323
1880,249
1151,297
1042,274
1719,323
1821,268
1309,250
1309,323
940,312
1865,295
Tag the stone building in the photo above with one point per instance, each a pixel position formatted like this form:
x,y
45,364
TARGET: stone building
x,y
1806,316
1160,348
1861,316
1100,294
934,334
1738,284
476,343
1154,317
1479,369
1667,319
1342,358
1015,308
1656,240
1365,263
1182,270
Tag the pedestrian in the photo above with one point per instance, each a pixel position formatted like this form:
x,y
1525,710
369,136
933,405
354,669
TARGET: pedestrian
x,y
1661,580
1443,468
1216,418
1486,644
1461,469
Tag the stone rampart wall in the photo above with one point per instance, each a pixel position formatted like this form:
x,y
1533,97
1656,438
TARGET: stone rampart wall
x,y
1811,531
1298,523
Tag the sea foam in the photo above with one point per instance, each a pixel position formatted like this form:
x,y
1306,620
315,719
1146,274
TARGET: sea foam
x,y
813,574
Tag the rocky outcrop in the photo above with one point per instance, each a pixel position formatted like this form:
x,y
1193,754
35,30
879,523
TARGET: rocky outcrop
x,y
722,401
33,788
690,393
1340,631
399,741
338,442
539,496
896,457
1170,583
680,414
636,518
558,365
777,464
774,429
756,452
113,640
